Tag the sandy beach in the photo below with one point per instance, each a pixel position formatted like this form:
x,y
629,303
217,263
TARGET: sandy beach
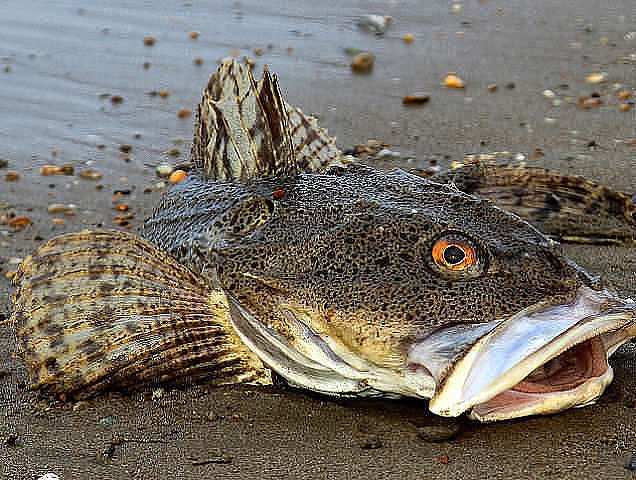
x,y
106,88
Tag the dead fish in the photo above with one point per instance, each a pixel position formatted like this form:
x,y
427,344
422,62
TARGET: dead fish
x,y
276,254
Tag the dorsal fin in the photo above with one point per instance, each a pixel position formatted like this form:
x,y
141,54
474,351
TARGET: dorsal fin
x,y
245,129
242,128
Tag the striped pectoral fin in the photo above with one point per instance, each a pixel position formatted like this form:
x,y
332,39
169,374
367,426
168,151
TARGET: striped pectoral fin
x,y
106,309
568,207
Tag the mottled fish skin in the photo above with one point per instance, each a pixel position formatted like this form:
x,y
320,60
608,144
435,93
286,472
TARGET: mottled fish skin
x,y
353,245
276,253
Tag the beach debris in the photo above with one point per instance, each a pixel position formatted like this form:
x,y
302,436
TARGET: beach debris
x,y
184,112
116,99
595,78
20,222
624,107
11,176
457,8
66,169
90,174
58,221
417,98
149,41
622,95
408,38
198,61
4,163
374,23
193,34
177,176
585,102
164,93
61,208
164,170
438,433
453,81
548,93
363,62
493,87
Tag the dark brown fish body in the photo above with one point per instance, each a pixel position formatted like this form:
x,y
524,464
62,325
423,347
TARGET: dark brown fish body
x,y
274,255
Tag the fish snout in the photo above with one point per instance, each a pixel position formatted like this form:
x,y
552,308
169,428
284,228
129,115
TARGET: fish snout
x,y
543,359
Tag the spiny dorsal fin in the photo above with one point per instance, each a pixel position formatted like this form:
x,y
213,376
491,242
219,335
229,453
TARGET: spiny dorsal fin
x,y
314,149
245,129
241,130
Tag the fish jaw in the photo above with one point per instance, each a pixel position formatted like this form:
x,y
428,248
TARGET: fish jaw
x,y
542,360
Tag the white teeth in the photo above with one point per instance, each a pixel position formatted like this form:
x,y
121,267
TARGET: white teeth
x,y
512,350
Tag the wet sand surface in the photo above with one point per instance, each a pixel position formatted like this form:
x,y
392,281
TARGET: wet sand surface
x,y
61,66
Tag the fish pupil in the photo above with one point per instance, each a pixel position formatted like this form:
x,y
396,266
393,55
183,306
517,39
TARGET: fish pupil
x,y
454,255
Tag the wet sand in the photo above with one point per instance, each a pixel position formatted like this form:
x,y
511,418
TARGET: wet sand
x,y
60,67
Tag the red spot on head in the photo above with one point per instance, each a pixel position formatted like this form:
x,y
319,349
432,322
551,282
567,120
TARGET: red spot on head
x,y
278,194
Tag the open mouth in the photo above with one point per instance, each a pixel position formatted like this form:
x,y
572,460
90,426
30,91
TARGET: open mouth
x,y
542,360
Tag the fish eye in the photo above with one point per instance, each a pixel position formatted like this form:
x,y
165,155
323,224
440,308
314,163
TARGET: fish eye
x,y
454,253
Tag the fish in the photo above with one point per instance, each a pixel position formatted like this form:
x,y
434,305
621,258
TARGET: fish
x,y
278,257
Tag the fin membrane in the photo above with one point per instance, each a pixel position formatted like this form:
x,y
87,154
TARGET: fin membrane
x,y
568,207
105,309
245,129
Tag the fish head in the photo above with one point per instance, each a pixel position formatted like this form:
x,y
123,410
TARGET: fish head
x,y
360,282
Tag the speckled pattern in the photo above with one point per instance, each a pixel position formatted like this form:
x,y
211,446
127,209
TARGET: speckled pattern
x,y
354,246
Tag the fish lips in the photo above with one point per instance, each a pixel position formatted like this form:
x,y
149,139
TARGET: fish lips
x,y
542,360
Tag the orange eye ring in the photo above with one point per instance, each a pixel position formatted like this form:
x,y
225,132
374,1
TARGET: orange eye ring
x,y
454,255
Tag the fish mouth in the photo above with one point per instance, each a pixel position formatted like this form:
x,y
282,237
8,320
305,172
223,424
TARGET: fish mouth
x,y
542,360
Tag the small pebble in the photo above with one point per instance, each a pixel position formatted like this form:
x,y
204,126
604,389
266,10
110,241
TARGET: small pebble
x,y
184,112
594,78
116,99
363,62
453,81
408,38
60,208
90,174
438,433
624,107
164,93
177,176
198,61
58,221
374,23
67,169
4,163
164,170
621,96
149,41
457,8
548,94
258,52
125,148
11,176
416,98
20,222
493,87
193,34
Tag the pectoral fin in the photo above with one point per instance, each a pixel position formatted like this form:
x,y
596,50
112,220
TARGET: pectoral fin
x,y
568,207
106,309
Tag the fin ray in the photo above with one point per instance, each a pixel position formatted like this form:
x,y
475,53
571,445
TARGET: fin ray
x,y
123,318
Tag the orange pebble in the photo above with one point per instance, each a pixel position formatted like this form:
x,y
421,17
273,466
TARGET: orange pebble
x,y
58,221
177,176
453,81
184,112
